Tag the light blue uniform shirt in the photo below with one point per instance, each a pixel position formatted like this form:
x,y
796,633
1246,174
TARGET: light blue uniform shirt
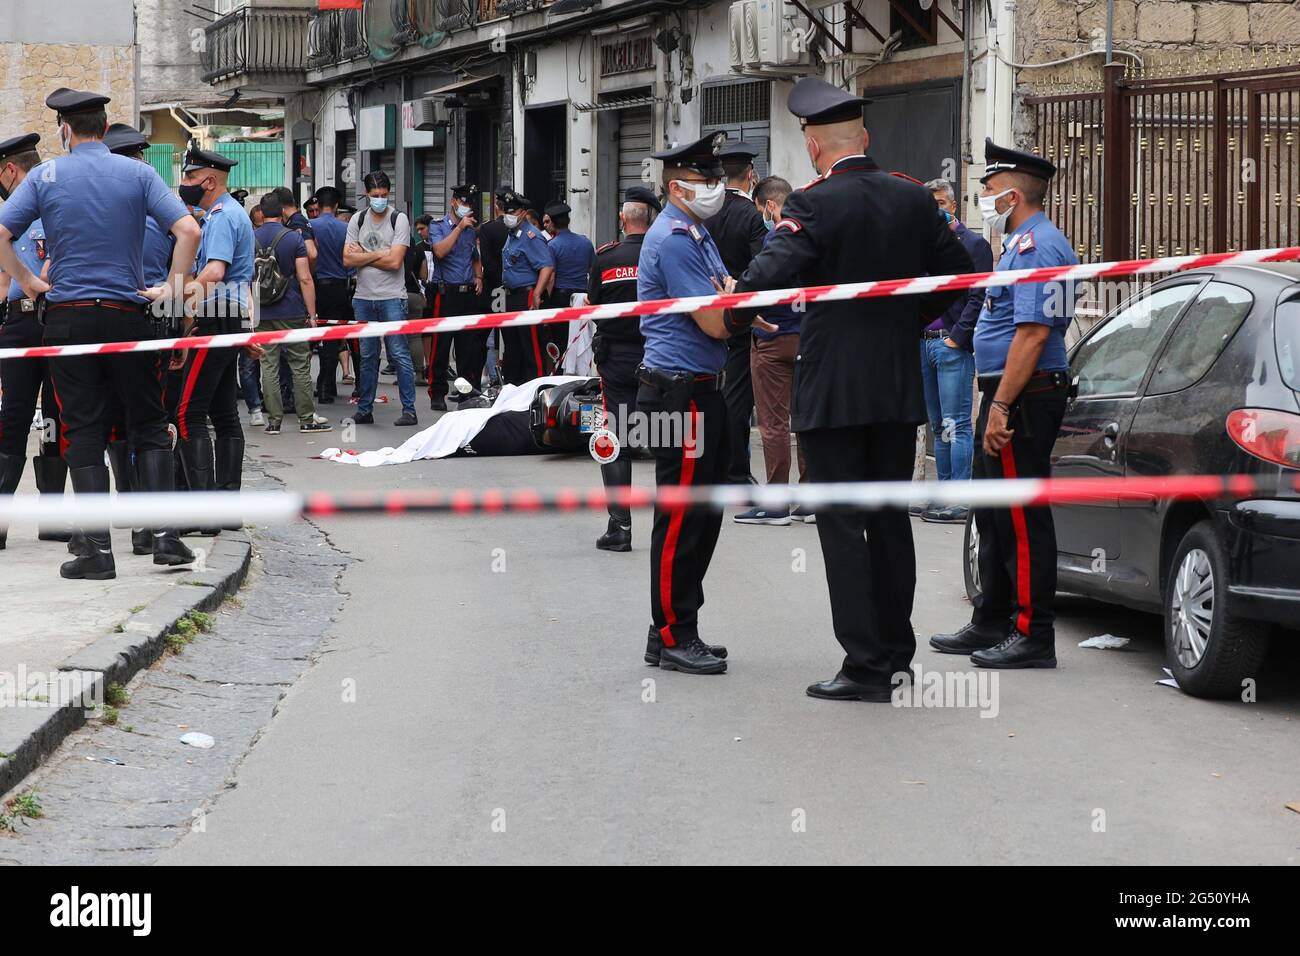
x,y
457,266
1036,244
679,258
158,248
525,255
30,248
93,205
574,255
228,238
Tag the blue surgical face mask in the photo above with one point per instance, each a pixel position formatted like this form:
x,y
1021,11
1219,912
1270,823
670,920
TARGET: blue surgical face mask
x,y
768,224
947,216
379,203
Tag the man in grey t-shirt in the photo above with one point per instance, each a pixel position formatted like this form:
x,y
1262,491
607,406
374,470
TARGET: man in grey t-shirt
x,y
376,246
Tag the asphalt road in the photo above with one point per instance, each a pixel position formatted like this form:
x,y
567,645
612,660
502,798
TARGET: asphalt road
x,y
481,698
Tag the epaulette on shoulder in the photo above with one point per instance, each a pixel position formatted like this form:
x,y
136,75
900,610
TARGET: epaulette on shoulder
x,y
607,246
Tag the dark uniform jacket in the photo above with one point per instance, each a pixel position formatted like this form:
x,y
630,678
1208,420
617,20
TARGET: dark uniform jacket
x,y
613,279
492,237
859,361
738,232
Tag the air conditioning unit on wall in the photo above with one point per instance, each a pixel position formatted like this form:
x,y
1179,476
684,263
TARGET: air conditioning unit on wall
x,y
429,114
768,37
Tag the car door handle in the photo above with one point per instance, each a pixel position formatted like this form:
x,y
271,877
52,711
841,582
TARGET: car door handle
x,y
1110,434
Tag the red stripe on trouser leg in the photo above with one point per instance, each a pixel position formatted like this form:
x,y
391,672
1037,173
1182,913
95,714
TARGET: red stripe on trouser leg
x,y
537,345
670,546
183,407
1024,598
431,343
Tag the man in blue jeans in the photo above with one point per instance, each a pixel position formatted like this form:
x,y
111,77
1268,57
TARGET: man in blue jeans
x,y
948,367
376,246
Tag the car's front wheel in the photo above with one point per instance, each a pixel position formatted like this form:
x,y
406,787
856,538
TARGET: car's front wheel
x,y
1211,651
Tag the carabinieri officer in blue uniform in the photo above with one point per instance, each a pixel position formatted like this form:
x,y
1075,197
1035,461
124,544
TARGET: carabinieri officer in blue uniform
x,y
222,286
681,376
573,254
1023,374
457,286
95,295
526,269
23,379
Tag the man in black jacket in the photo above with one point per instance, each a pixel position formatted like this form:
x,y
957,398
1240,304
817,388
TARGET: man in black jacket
x,y
739,232
858,396
618,347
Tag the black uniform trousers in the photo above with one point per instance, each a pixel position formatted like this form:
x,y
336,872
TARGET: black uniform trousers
x,y
334,305
524,357
85,384
22,380
209,389
471,344
682,540
617,363
1017,546
739,395
869,555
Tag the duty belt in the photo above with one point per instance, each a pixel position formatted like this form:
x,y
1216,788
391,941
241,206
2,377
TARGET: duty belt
x,y
666,380
1038,382
443,288
117,304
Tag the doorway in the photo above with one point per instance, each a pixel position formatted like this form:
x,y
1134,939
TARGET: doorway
x,y
545,154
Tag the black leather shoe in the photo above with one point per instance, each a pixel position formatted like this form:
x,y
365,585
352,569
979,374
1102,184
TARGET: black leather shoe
x,y
840,687
157,474
11,472
97,562
78,546
654,645
169,550
51,473
142,541
363,419
972,637
615,538
1018,651
691,657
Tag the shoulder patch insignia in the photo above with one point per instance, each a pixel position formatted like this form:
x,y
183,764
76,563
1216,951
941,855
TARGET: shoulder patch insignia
x,y
1026,242
695,232
607,246
680,226
791,225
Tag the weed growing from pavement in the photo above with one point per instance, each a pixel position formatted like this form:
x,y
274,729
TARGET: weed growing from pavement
x,y
110,715
116,695
25,805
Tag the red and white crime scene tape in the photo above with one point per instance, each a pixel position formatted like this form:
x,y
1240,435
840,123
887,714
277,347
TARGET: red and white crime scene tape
x,y
184,508
622,310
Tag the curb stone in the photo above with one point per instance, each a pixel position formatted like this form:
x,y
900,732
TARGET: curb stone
x,y
120,655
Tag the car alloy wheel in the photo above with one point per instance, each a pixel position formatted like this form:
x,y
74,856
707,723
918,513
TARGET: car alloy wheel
x,y
1193,607
973,555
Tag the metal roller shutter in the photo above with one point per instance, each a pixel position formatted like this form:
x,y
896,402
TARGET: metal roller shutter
x,y
635,143
434,164
741,110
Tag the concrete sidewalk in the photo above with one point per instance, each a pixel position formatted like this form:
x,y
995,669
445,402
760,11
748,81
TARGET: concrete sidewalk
x,y
105,630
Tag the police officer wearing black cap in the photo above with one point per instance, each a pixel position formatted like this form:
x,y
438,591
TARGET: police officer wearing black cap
x,y
24,379
681,380
739,232
858,395
618,347
95,295
492,237
1023,374
222,292
455,284
574,254
526,270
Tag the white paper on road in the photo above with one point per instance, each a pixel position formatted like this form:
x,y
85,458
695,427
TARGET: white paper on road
x,y
453,431
1108,642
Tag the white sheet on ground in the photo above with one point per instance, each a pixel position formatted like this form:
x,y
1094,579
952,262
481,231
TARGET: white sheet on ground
x,y
453,431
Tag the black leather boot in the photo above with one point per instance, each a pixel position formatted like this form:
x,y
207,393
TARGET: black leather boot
x,y
11,472
156,475
141,538
654,645
97,564
196,453
972,637
617,475
230,469
1018,651
691,656
51,474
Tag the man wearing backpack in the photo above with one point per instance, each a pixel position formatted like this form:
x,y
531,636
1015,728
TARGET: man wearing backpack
x,y
286,294
376,245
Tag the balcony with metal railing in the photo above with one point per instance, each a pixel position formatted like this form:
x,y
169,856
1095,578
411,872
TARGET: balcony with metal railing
x,y
266,46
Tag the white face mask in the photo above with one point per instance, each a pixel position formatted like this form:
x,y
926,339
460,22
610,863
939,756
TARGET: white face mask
x,y
511,221
996,221
708,199
462,211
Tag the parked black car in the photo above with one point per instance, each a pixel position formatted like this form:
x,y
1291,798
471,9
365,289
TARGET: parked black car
x,y
1198,375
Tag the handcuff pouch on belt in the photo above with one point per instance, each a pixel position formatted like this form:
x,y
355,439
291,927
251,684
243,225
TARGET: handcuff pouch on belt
x,y
676,388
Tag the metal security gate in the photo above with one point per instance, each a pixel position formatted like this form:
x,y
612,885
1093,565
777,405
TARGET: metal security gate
x,y
742,111
635,139
1160,165
433,166
346,165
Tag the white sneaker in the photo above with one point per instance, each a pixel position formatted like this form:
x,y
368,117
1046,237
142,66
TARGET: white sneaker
x,y
257,418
